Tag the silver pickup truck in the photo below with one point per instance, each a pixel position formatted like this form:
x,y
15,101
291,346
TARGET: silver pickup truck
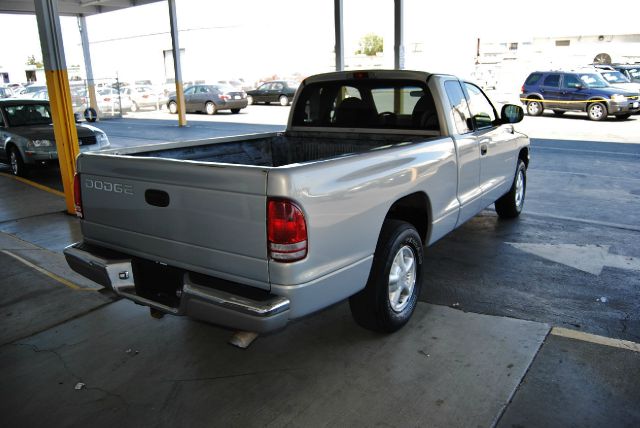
x,y
251,232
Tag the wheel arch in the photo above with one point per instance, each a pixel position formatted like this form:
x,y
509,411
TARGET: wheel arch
x,y
523,155
414,209
597,98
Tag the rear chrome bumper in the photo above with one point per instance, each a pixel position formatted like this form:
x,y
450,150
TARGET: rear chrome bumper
x,y
196,300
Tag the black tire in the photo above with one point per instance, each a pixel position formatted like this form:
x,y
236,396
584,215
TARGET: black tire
x,y
511,203
210,108
173,107
16,163
90,115
597,111
284,100
235,110
535,108
623,116
134,107
250,100
372,307
558,112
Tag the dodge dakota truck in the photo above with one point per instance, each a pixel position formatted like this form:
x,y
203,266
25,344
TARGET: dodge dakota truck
x,y
253,231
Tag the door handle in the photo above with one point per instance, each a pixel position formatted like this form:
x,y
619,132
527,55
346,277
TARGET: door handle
x,y
483,149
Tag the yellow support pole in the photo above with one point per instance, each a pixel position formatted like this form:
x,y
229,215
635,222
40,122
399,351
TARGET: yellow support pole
x,y
64,129
182,117
64,125
177,68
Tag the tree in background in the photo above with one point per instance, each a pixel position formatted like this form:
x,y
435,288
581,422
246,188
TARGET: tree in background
x,y
370,44
31,60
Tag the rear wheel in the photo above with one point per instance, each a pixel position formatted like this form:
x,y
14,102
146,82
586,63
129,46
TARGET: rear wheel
x,y
391,294
210,108
284,100
510,205
173,107
134,107
249,99
597,111
534,108
17,164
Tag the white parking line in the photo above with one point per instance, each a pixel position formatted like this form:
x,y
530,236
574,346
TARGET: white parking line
x,y
592,338
51,275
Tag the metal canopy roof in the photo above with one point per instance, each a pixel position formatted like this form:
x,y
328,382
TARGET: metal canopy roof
x,y
73,7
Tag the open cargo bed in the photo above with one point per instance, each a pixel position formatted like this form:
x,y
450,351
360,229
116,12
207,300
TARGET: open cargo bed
x,y
279,149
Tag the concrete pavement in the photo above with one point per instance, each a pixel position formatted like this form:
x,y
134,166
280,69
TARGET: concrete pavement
x,y
445,368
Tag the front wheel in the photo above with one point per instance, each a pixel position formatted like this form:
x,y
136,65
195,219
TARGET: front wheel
x,y
510,204
17,164
597,111
284,100
534,108
134,107
249,99
391,294
173,107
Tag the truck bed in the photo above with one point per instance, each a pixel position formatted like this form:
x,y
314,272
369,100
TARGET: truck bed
x,y
281,149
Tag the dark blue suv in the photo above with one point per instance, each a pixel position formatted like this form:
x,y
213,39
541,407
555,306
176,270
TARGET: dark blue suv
x,y
586,91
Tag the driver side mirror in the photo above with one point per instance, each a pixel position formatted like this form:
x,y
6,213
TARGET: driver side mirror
x,y
511,113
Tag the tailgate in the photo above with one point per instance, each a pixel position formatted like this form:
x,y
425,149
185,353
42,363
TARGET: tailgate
x,y
208,218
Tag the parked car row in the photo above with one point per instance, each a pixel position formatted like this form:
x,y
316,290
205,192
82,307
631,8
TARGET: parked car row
x,y
211,98
598,92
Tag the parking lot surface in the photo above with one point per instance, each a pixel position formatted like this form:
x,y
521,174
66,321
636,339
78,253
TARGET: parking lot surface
x,y
533,322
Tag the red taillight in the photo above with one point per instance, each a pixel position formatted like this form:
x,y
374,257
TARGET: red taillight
x,y
286,231
522,89
77,194
224,97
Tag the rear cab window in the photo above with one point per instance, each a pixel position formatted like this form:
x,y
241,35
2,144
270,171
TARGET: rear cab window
x,y
364,103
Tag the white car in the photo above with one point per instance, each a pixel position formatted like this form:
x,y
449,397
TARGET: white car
x,y
143,96
110,101
619,80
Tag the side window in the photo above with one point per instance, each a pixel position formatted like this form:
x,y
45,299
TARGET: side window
x,y
482,110
533,79
459,106
571,81
552,80
277,87
265,87
190,90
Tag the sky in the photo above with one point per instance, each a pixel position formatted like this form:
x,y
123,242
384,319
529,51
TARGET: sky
x,y
253,38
